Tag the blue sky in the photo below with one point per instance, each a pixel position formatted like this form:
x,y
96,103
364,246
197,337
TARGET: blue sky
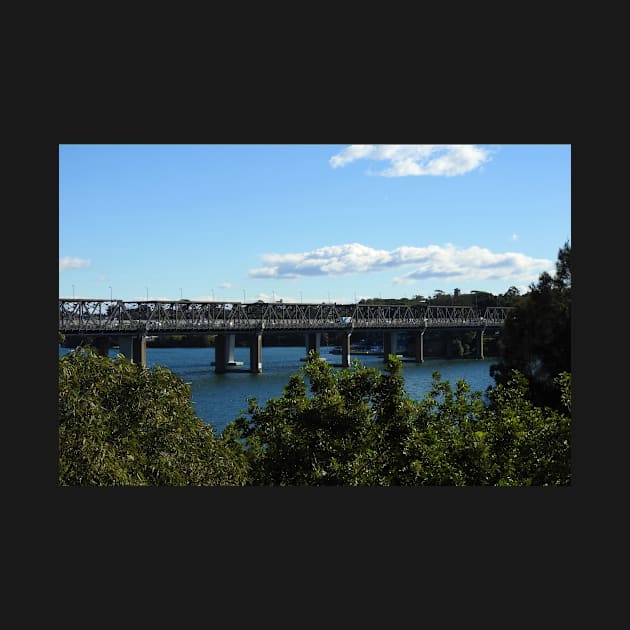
x,y
311,223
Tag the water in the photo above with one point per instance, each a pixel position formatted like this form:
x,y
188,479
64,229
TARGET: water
x,y
220,398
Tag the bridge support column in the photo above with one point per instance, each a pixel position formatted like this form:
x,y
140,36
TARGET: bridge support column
x,y
345,349
140,350
224,352
231,342
125,344
255,353
102,344
134,347
420,347
390,343
220,353
480,344
312,341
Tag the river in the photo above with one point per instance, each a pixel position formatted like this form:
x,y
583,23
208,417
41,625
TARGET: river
x,y
220,398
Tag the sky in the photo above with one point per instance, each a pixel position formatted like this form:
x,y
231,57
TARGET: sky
x,y
308,222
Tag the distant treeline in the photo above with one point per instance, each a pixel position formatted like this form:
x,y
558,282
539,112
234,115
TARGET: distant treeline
x,y
478,299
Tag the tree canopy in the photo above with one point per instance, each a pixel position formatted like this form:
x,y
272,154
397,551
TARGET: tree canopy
x,y
359,427
121,424
536,336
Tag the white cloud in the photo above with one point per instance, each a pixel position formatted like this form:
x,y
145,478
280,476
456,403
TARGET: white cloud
x,y
431,262
353,152
416,159
325,261
67,263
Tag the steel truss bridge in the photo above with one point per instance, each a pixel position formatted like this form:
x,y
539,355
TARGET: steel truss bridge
x,y
157,317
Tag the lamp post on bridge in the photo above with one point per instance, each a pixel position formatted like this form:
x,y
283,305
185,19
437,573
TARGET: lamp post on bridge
x,y
73,291
110,294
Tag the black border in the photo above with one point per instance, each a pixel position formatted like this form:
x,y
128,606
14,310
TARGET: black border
x,y
396,527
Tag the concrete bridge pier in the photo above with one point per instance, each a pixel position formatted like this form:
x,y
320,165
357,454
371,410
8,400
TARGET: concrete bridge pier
x,y
224,352
345,349
419,347
312,341
480,344
255,353
102,345
390,344
134,347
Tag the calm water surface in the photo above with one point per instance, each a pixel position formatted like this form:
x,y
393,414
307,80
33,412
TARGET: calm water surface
x,y
220,398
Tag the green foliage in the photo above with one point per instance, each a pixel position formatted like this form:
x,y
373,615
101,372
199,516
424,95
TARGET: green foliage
x,y
443,450
529,445
344,431
121,424
359,427
316,439
536,336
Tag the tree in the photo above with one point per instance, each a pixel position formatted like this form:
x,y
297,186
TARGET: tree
x,y
359,427
511,296
442,449
347,431
536,336
528,444
460,441
121,424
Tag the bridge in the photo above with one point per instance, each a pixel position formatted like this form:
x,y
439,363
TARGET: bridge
x,y
131,322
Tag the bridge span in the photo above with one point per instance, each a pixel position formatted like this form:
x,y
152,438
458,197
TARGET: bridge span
x,y
129,323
